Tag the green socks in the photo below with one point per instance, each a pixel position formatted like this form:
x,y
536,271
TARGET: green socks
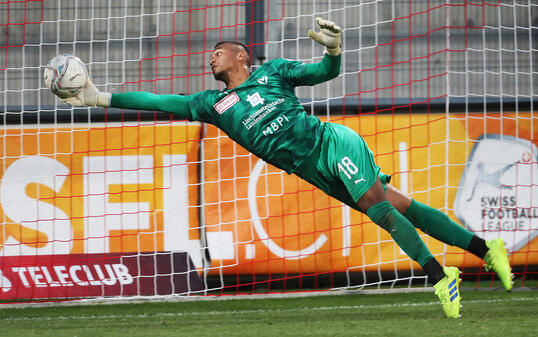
x,y
402,231
430,220
437,224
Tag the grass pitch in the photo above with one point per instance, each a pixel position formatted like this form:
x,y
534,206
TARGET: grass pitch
x,y
484,313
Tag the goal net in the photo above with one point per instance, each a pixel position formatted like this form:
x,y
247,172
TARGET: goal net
x,y
109,202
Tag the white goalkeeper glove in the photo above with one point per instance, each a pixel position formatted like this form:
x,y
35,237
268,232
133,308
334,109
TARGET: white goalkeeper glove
x,y
329,36
89,96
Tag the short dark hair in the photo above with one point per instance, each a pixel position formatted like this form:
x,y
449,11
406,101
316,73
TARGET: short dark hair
x,y
238,44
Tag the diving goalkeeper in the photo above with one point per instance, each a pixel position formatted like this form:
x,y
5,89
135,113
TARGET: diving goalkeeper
x,y
261,112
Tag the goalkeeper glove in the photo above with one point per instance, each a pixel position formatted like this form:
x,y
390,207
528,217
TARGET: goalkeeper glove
x,y
89,96
329,36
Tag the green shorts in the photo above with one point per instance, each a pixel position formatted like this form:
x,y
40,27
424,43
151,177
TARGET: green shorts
x,y
342,165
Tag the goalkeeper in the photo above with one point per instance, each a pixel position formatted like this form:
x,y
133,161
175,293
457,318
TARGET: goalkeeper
x,y
261,112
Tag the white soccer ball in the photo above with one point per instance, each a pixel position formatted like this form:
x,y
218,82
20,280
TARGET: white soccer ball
x,y
65,75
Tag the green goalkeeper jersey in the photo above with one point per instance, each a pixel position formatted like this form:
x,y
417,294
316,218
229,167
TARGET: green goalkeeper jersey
x,y
263,114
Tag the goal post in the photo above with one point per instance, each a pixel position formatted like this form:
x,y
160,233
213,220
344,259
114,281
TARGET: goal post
x,y
109,202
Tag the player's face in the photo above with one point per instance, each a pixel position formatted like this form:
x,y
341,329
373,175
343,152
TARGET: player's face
x,y
223,59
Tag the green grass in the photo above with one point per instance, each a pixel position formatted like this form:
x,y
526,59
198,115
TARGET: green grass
x,y
484,313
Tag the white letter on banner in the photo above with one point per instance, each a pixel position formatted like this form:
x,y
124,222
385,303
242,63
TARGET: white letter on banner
x,y
122,273
176,208
36,276
73,273
62,276
32,213
22,277
111,280
102,216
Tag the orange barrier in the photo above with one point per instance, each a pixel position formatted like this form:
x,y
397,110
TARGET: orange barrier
x,y
98,190
136,189
276,223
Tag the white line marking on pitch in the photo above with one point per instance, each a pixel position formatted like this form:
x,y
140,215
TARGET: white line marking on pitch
x,y
234,312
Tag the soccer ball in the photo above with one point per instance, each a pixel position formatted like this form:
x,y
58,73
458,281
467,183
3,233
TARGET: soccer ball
x,y
65,75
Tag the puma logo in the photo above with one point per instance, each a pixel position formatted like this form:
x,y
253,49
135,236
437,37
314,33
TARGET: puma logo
x,y
359,180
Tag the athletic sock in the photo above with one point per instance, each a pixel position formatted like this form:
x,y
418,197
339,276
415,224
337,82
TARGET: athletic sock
x,y
437,224
478,247
433,269
402,231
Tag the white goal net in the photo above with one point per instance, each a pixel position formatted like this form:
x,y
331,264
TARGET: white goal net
x,y
108,202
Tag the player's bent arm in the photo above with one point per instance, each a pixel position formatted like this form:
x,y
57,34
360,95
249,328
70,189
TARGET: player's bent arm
x,y
314,73
176,104
311,74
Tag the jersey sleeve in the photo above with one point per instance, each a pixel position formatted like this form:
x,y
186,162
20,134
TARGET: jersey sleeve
x,y
176,104
201,106
297,73
197,107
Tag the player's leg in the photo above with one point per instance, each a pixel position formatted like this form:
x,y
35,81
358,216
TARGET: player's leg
x,y
360,175
352,164
438,225
357,170
343,167
381,212
345,158
435,223
374,204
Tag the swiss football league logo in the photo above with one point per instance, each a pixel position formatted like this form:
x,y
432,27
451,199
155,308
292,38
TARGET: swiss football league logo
x,y
498,195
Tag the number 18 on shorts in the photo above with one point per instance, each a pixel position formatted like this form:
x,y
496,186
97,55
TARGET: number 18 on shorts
x,y
350,170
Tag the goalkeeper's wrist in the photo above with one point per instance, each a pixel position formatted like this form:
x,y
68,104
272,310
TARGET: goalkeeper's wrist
x,y
334,51
103,99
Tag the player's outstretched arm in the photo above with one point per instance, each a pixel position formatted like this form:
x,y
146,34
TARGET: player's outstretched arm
x,y
329,35
140,100
91,96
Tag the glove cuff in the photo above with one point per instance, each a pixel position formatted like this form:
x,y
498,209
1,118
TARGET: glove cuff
x,y
103,99
334,51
